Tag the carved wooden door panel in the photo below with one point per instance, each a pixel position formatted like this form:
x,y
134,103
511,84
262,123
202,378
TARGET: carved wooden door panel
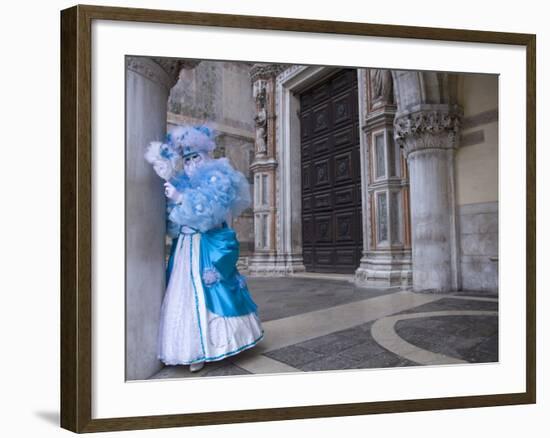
x,y
331,175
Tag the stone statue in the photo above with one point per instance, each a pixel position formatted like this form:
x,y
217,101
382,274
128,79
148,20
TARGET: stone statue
x,y
381,86
260,95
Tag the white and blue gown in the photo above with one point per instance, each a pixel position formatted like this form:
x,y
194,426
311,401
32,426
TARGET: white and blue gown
x,y
207,312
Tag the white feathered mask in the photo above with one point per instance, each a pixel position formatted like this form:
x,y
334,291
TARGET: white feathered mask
x,y
165,160
167,157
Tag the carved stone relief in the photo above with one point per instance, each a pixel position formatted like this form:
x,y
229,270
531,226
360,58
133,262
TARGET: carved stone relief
x,y
428,130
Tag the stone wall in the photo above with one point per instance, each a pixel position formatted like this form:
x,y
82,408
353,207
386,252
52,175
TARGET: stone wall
x,y
219,93
240,151
477,182
479,246
477,156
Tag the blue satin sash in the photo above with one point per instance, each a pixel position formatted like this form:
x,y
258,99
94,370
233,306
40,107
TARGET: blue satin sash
x,y
219,251
229,296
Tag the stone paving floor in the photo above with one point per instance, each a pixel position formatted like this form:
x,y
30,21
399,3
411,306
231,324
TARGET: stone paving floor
x,y
283,297
460,327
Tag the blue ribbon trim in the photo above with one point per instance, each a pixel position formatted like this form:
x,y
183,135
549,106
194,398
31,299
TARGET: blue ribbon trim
x,y
196,296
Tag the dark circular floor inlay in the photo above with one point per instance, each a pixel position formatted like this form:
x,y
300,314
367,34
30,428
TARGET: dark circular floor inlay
x,y
470,338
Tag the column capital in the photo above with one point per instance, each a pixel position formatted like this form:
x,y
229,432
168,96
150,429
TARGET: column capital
x,y
265,71
163,71
428,128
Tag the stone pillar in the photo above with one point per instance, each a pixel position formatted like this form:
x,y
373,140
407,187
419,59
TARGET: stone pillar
x,y
263,260
386,260
428,135
148,83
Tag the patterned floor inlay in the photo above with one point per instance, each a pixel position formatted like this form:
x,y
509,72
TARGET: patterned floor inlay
x,y
471,338
331,325
384,332
353,348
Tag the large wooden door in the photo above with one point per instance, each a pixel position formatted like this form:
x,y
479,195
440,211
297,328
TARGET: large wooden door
x,y
331,177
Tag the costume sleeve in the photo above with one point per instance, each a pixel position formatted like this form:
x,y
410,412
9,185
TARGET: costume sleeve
x,y
180,181
216,190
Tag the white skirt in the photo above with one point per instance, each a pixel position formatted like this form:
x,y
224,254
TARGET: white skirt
x,y
188,331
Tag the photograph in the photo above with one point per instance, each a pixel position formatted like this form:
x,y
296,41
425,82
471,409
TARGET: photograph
x,y
299,218
275,219
307,218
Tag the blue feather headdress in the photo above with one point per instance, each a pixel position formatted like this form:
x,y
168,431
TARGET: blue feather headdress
x,y
214,191
189,139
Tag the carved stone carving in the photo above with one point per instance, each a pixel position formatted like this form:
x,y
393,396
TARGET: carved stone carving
x,y
260,119
381,85
265,71
164,71
435,129
173,66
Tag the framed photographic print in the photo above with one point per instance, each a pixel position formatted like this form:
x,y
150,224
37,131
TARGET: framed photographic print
x,y
268,218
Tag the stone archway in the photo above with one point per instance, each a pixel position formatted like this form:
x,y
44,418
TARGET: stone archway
x,y
416,109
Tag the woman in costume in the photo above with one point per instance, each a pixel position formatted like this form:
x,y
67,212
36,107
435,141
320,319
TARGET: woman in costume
x,y
207,312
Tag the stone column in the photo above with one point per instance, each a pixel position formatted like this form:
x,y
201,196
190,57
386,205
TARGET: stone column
x,y
263,260
148,83
386,260
429,136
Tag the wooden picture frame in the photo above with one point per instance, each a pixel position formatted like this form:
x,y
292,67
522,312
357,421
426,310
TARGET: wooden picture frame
x,y
76,218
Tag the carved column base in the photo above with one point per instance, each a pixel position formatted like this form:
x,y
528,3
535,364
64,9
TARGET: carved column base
x,y
242,264
272,265
381,269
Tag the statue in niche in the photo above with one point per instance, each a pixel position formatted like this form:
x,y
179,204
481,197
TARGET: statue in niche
x,y
381,86
260,119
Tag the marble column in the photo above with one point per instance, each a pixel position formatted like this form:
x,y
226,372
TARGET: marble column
x,y
428,135
148,83
386,260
